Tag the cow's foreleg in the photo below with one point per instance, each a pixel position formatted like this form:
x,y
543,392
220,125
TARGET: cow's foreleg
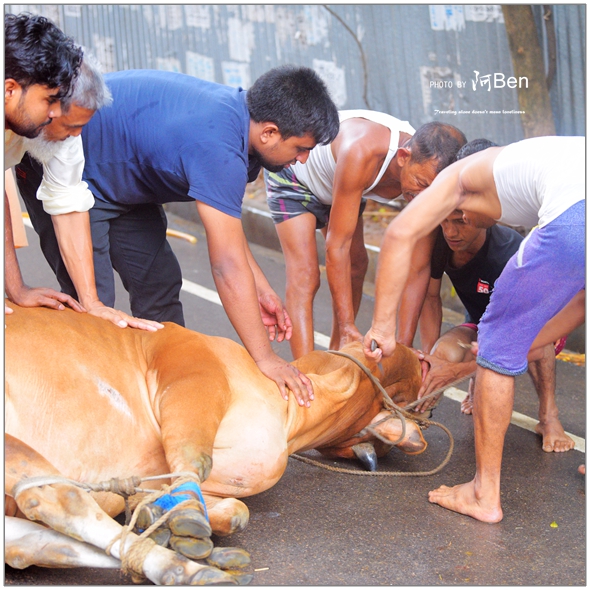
x,y
191,409
73,512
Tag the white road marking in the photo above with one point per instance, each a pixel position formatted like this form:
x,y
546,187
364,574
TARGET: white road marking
x,y
518,419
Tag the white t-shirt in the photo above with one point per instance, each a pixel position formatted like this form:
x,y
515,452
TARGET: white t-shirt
x,y
317,174
538,179
62,189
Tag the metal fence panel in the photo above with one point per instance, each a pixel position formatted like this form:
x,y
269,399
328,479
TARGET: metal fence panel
x,y
417,62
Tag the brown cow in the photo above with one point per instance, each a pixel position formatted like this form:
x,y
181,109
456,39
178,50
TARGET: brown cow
x,y
90,401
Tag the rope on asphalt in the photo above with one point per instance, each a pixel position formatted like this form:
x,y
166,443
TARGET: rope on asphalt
x,y
395,411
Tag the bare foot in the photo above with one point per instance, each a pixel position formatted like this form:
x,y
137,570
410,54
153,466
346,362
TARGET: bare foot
x,y
582,469
467,403
462,499
554,437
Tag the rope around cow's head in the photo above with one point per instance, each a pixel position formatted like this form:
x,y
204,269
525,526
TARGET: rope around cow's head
x,y
395,411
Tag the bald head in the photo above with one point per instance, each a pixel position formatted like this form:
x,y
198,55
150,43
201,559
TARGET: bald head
x,y
436,141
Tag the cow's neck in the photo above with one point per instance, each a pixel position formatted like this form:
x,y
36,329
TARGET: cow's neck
x,y
343,399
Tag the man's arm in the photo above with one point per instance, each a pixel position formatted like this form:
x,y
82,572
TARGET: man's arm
x,y
431,316
274,316
230,266
67,199
415,291
15,288
72,231
561,324
356,166
416,221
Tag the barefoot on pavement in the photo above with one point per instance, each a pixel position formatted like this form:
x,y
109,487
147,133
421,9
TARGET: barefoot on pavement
x,y
554,437
462,499
467,403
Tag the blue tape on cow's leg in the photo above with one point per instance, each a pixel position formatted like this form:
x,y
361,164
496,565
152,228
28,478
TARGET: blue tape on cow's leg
x,y
168,501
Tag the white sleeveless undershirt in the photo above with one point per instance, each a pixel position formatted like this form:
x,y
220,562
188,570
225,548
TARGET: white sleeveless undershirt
x,y
538,179
317,174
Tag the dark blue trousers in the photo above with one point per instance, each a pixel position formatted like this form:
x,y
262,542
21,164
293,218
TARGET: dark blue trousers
x,y
130,239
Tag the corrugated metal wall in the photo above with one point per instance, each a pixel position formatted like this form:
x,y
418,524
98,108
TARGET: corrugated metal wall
x,y
416,62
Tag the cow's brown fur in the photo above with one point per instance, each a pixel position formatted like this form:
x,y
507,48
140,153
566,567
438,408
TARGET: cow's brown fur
x,y
92,401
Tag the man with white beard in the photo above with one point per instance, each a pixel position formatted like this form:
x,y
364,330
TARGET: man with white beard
x,y
49,178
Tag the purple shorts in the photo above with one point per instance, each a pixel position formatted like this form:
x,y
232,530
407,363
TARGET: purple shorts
x,y
536,283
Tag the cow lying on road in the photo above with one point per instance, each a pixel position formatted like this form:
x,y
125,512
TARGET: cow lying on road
x,y
90,401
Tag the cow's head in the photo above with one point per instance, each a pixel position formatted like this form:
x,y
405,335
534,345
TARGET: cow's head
x,y
368,424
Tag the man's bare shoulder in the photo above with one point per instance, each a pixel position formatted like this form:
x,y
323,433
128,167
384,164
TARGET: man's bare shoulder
x,y
476,174
363,137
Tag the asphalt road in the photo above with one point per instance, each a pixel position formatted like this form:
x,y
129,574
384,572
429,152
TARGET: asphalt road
x,y
317,527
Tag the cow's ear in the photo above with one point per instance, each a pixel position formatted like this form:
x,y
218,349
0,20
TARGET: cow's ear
x,y
413,442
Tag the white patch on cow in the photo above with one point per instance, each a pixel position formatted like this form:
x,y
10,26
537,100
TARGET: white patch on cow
x,y
114,397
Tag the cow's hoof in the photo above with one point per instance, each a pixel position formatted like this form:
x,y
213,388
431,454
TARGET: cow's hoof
x,y
190,522
161,536
147,516
191,547
229,558
210,575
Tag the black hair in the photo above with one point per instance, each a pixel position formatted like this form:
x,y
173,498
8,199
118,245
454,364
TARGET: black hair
x,y
297,101
474,146
438,141
37,52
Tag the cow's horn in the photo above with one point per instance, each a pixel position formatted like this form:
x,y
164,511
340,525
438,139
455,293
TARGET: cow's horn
x,y
365,453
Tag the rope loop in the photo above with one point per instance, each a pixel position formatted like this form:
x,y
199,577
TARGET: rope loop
x,y
395,411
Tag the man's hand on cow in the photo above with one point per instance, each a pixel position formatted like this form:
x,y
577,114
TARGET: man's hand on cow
x,y
385,345
275,317
44,297
288,378
436,373
122,319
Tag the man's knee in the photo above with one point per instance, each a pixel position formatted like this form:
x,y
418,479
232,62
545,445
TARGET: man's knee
x,y
453,346
303,279
448,350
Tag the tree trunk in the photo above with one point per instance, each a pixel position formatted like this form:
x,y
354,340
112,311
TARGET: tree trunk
x,y
527,61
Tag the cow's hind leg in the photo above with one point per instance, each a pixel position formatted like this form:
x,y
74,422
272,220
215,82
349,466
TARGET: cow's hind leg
x,y
69,510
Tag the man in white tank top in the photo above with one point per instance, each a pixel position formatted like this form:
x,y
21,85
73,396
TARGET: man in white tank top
x,y
374,155
538,298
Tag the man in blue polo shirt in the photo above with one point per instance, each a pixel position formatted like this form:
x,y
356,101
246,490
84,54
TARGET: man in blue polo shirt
x,y
172,137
